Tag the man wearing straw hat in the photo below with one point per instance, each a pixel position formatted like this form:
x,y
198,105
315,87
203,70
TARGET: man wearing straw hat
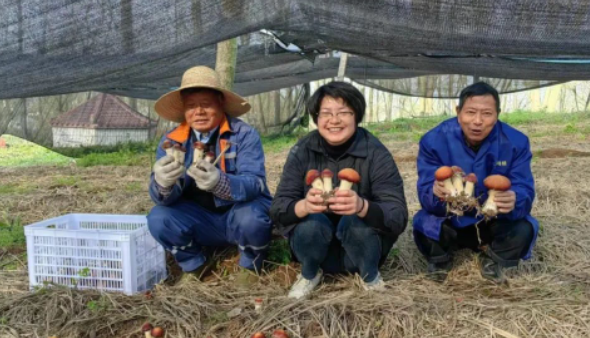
x,y
199,203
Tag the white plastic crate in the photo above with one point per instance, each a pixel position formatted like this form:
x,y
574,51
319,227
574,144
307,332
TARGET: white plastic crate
x,y
95,251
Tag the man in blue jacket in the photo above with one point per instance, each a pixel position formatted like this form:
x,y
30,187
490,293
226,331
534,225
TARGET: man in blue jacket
x,y
199,204
478,143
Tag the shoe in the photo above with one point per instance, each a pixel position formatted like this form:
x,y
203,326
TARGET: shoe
x,y
303,287
376,284
438,272
201,271
491,270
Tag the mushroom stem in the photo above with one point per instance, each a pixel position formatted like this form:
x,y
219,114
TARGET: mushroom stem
x,y
469,187
457,180
489,207
318,184
450,187
327,184
345,185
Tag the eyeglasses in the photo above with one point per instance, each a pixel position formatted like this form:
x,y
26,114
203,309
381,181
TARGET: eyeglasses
x,y
341,115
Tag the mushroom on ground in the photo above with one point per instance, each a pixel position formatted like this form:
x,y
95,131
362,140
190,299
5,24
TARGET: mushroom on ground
x,y
327,175
444,174
457,179
259,335
146,329
199,151
313,178
494,183
470,181
280,334
348,177
157,332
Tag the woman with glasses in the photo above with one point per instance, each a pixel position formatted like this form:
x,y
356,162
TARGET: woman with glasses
x,y
351,230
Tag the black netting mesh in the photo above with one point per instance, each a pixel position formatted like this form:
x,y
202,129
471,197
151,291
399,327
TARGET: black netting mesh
x,y
140,49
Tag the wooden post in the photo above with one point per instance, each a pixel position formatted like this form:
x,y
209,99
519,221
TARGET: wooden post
x,y
225,63
342,66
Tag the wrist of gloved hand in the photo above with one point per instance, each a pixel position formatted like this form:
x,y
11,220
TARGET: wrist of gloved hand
x,y
222,188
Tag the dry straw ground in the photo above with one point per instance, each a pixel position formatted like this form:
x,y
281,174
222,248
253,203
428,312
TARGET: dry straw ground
x,y
548,296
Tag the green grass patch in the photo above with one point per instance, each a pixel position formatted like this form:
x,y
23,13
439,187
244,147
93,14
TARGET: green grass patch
x,y
66,181
12,233
22,153
280,251
278,143
16,188
135,186
119,158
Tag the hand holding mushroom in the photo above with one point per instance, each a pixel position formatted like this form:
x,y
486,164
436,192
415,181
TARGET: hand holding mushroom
x,y
443,184
345,200
504,203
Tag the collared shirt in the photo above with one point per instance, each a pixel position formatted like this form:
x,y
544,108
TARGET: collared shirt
x,y
204,137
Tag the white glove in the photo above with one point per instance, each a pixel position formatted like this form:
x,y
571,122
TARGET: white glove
x,y
167,171
205,174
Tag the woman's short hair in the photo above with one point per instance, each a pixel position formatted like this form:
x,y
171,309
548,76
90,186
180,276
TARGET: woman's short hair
x,y
351,96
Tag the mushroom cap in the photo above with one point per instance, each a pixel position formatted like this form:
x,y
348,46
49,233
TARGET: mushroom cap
x,y
146,327
280,334
327,173
350,175
199,145
471,178
259,335
457,170
157,332
167,144
210,154
497,182
311,176
443,173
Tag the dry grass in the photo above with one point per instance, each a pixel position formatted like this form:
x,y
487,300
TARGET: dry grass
x,y
548,296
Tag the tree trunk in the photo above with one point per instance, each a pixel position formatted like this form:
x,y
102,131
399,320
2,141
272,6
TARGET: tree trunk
x,y
225,64
24,120
277,104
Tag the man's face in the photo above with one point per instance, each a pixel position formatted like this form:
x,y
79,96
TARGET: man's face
x,y
203,111
477,118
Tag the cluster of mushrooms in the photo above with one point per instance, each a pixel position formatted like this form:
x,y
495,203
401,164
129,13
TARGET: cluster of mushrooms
x,y
461,187
323,180
149,331
178,152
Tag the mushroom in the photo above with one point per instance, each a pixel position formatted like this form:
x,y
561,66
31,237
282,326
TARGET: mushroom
x,y
457,179
258,304
210,156
259,335
313,178
470,181
157,332
168,147
146,329
327,175
494,183
280,334
199,151
348,177
444,174
179,152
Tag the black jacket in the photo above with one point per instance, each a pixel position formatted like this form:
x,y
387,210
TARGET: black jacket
x,y
381,183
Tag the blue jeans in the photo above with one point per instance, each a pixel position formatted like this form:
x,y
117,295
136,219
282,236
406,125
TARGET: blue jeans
x,y
350,246
184,228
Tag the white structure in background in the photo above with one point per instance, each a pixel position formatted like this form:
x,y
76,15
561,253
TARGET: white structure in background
x,y
103,120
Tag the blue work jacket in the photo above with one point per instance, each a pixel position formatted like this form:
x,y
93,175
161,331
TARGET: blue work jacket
x,y
506,151
243,163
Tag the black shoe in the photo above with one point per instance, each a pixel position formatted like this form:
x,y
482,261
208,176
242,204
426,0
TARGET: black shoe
x,y
438,272
491,270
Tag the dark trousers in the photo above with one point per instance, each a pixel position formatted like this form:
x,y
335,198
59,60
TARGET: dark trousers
x,y
505,241
349,246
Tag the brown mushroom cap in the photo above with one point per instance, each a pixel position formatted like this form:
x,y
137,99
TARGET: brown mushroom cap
x,y
311,176
327,173
182,148
443,173
167,144
199,145
210,154
157,332
471,178
146,327
456,169
497,182
349,175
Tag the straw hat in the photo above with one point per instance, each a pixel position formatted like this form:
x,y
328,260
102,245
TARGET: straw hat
x,y
170,107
